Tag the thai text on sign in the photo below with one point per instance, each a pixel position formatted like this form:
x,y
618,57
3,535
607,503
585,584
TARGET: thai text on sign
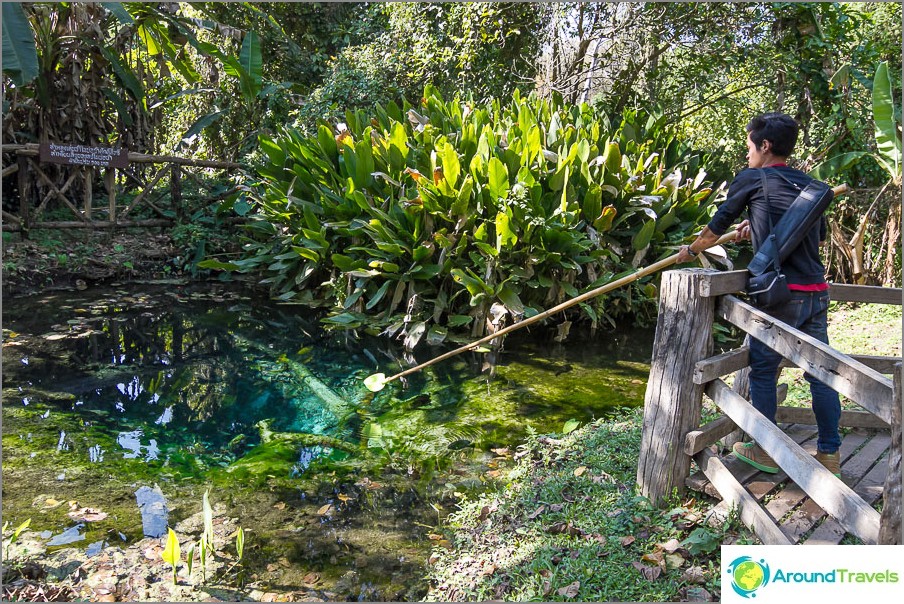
x,y
83,155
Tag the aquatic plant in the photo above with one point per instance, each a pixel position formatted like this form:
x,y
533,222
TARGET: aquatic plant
x,y
172,554
455,214
14,537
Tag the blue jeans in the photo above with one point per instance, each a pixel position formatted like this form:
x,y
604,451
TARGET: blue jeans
x,y
808,312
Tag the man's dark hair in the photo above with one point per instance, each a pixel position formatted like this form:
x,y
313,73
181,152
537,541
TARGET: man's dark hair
x,y
778,128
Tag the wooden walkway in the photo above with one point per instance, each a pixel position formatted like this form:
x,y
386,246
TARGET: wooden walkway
x,y
864,455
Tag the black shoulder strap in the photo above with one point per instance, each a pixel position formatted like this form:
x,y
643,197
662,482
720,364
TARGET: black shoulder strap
x,y
785,236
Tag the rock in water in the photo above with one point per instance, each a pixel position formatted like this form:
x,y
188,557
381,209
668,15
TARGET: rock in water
x,y
153,509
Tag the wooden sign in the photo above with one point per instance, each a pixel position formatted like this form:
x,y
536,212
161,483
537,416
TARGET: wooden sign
x,y
82,155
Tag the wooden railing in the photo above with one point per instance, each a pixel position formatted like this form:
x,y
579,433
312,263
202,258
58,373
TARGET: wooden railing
x,y
36,191
683,369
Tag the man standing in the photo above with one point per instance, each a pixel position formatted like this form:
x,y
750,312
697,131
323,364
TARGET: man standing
x,y
770,139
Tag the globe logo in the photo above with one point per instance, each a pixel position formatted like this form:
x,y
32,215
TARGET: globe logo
x,y
748,575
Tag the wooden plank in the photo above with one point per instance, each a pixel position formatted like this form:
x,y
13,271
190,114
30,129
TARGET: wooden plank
x,y
722,364
752,514
830,532
849,419
881,364
103,224
50,195
31,149
728,282
57,192
890,532
809,513
833,495
11,169
840,292
145,192
697,440
673,402
867,387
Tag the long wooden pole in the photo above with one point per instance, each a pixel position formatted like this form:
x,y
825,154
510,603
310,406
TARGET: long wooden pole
x,y
603,289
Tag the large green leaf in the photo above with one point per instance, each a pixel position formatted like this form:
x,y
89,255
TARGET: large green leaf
x,y
835,165
20,57
252,64
125,75
887,140
202,122
498,179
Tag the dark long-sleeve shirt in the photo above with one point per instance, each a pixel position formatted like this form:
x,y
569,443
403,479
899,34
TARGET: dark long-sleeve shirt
x,y
803,266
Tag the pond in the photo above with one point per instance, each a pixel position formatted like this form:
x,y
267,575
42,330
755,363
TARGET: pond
x,y
173,390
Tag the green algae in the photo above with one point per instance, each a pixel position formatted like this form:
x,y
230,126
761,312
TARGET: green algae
x,y
163,395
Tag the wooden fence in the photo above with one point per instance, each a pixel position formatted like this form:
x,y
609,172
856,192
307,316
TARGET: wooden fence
x,y
683,369
36,191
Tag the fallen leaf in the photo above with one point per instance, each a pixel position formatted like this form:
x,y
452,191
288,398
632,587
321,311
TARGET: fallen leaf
x,y
325,510
650,573
311,578
434,537
628,540
669,546
545,572
280,505
656,558
580,470
536,512
52,503
547,587
562,528
698,594
601,539
494,473
503,452
570,591
489,569
343,497
694,574
556,507
674,561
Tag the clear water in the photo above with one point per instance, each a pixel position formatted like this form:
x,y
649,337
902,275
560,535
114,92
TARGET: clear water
x,y
105,392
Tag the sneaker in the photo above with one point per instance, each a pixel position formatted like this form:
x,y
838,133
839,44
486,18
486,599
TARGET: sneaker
x,y
831,461
753,454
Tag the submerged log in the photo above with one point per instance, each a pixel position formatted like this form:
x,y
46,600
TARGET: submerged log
x,y
338,406
302,439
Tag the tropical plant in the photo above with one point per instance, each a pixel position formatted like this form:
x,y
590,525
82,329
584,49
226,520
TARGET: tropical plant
x,y
172,554
887,154
460,213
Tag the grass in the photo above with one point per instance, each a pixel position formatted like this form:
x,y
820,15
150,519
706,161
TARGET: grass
x,y
565,523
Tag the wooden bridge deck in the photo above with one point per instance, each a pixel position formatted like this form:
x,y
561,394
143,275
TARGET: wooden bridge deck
x,y
864,455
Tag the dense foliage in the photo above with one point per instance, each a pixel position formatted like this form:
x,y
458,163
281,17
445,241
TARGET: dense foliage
x,y
460,213
211,80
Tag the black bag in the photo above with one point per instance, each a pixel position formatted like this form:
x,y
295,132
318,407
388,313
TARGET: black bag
x,y
768,290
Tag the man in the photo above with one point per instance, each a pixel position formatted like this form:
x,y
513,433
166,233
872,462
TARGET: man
x,y
770,139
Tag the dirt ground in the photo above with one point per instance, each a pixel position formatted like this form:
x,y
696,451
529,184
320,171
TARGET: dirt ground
x,y
54,260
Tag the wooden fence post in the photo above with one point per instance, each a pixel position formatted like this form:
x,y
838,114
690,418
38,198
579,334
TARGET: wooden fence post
x,y
890,521
672,404
24,195
89,190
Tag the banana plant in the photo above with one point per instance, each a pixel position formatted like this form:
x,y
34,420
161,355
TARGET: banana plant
x,y
887,155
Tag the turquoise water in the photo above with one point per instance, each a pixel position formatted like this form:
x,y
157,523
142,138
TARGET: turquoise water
x,y
202,388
